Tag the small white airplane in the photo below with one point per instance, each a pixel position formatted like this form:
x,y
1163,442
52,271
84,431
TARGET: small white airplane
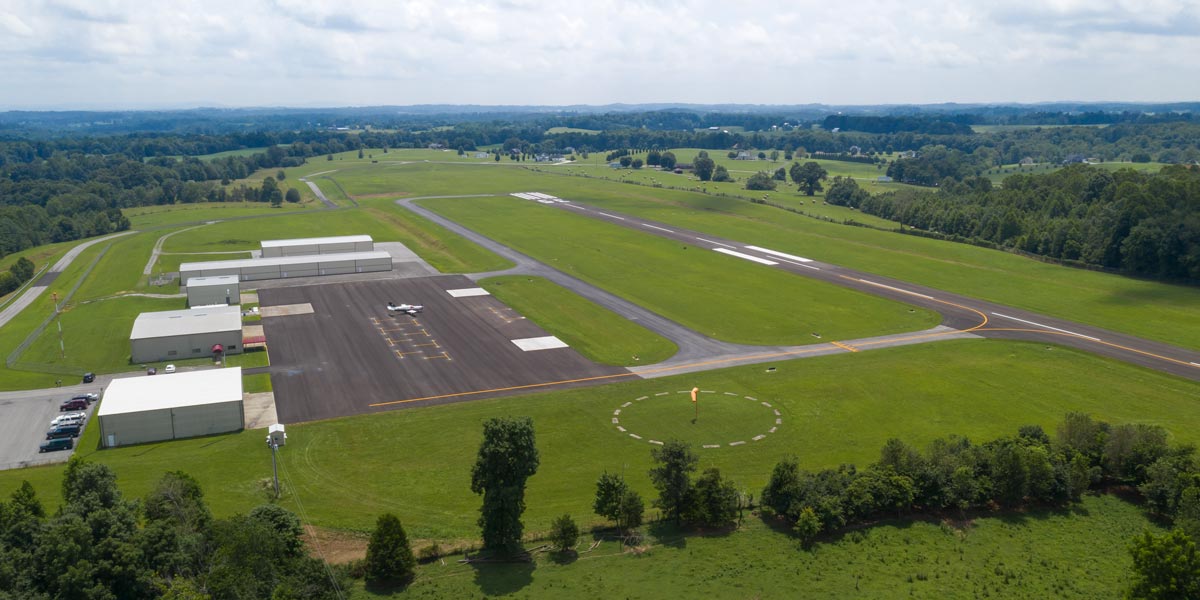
x,y
409,309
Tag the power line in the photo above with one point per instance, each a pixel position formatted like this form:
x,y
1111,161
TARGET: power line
x,y
304,519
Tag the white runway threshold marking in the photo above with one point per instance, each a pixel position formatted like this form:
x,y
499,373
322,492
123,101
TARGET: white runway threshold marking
x,y
1086,337
717,243
539,343
468,292
761,261
778,253
896,289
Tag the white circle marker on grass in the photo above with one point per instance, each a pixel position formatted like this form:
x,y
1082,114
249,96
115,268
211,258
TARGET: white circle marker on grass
x,y
769,413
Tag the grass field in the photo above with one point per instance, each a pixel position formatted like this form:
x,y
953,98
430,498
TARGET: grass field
x,y
835,409
168,263
146,217
720,296
1075,553
248,359
256,384
95,335
593,330
554,130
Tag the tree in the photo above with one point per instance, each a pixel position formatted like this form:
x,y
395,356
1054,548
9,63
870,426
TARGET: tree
x,y
774,156
667,161
1165,566
674,463
808,176
721,174
653,158
637,163
293,195
280,175
626,161
631,511
389,557
807,527
284,524
508,456
610,490
716,500
22,269
780,174
703,166
760,181
360,152
564,533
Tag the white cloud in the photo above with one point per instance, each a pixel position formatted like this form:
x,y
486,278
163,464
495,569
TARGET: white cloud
x,y
357,52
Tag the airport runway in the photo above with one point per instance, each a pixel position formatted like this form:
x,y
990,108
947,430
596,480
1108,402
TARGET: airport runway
x,y
960,314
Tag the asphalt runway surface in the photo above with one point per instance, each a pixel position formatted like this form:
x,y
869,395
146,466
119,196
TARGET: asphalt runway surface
x,y
351,357
961,315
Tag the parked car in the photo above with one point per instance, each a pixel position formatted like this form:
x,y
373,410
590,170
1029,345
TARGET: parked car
x,y
89,398
89,377
151,370
73,419
169,369
63,431
73,404
60,419
57,444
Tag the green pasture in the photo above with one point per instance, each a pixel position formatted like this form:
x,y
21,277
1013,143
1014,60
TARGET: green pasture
x,y
146,217
592,330
95,335
997,174
1076,553
720,296
554,130
835,409
120,271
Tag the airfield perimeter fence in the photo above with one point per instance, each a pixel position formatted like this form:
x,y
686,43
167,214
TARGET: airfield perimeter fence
x,y
15,356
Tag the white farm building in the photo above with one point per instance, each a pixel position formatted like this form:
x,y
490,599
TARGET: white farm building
x,y
136,410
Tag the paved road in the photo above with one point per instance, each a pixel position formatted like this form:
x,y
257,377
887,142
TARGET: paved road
x,y
44,282
320,195
696,351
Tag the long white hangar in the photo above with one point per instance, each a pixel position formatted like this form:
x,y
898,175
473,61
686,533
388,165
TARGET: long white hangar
x,y
189,333
137,410
322,245
283,267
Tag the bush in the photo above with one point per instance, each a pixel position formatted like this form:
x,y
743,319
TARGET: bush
x,y
389,557
564,533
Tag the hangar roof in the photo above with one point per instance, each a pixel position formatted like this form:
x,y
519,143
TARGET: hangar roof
x,y
340,239
213,280
281,260
191,388
186,322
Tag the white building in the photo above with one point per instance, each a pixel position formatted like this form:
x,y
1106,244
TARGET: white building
x,y
136,410
207,291
192,333
322,245
283,267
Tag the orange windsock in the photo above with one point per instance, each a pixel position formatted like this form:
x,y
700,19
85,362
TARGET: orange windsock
x,y
694,390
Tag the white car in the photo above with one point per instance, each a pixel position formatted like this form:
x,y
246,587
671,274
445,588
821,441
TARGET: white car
x,y
169,369
68,418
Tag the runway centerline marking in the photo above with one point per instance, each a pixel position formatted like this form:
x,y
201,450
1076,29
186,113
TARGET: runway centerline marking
x,y
896,289
1086,337
845,346
610,216
717,243
657,227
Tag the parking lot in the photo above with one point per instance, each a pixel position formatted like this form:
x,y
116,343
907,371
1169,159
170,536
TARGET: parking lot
x,y
24,420
349,356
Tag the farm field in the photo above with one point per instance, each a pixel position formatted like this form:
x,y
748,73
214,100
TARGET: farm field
x,y
594,331
719,296
835,409
1039,554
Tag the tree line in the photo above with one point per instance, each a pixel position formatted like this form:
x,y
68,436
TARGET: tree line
x,y
1145,224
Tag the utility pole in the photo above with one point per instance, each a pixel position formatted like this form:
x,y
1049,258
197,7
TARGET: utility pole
x,y
274,465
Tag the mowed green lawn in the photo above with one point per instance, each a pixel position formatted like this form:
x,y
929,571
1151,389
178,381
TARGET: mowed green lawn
x,y
95,335
720,296
1076,553
835,409
592,330
145,217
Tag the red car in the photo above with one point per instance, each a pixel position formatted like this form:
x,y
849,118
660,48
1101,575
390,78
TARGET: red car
x,y
74,404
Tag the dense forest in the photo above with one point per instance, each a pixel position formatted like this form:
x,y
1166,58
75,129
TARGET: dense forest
x,y
1145,224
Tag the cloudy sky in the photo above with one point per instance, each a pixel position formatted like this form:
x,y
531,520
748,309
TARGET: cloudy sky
x,y
185,53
